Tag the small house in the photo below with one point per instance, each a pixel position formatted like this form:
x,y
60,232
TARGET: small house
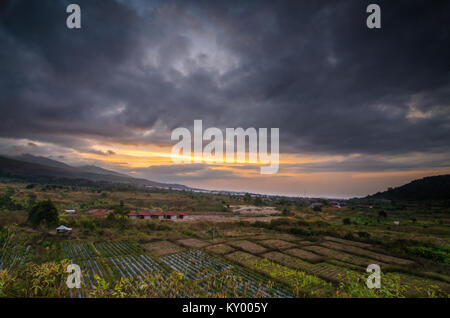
x,y
182,215
170,215
70,211
316,204
64,230
132,215
144,215
397,222
157,215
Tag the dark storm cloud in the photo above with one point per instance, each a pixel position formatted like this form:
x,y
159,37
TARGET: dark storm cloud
x,y
184,173
311,68
366,164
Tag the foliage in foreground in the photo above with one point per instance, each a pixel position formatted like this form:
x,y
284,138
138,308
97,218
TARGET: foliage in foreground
x,y
49,280
354,285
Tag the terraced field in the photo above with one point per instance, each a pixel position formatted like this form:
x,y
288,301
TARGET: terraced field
x,y
196,265
265,268
325,271
110,261
114,260
302,283
364,252
342,256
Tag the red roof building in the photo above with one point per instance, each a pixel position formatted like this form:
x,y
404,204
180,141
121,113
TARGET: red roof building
x,y
157,215
182,215
170,215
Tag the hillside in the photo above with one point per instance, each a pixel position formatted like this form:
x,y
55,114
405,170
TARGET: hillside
x,y
33,168
428,188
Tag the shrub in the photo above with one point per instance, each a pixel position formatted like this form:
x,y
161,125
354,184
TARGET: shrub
x,y
87,224
300,231
189,232
346,221
349,236
44,212
382,214
363,234
434,254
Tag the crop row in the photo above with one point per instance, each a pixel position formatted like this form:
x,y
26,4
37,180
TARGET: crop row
x,y
82,250
76,251
13,256
117,249
197,265
212,275
193,263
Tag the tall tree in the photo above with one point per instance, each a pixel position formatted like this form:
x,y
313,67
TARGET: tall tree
x,y
43,212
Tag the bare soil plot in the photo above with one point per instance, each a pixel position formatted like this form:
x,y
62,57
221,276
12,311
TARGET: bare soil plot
x,y
277,244
347,242
234,233
259,218
305,243
193,243
288,237
359,251
161,248
248,246
220,249
263,237
305,255
342,256
254,210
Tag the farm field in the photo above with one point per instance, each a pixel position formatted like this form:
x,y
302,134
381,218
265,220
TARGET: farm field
x,y
116,260
302,254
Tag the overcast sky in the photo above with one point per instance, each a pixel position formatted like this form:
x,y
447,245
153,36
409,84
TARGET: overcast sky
x,y
358,109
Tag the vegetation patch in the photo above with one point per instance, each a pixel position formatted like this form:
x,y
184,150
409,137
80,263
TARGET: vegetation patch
x,y
220,249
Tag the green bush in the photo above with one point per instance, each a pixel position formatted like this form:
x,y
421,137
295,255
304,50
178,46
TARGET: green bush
x,y
440,256
43,212
363,234
300,231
